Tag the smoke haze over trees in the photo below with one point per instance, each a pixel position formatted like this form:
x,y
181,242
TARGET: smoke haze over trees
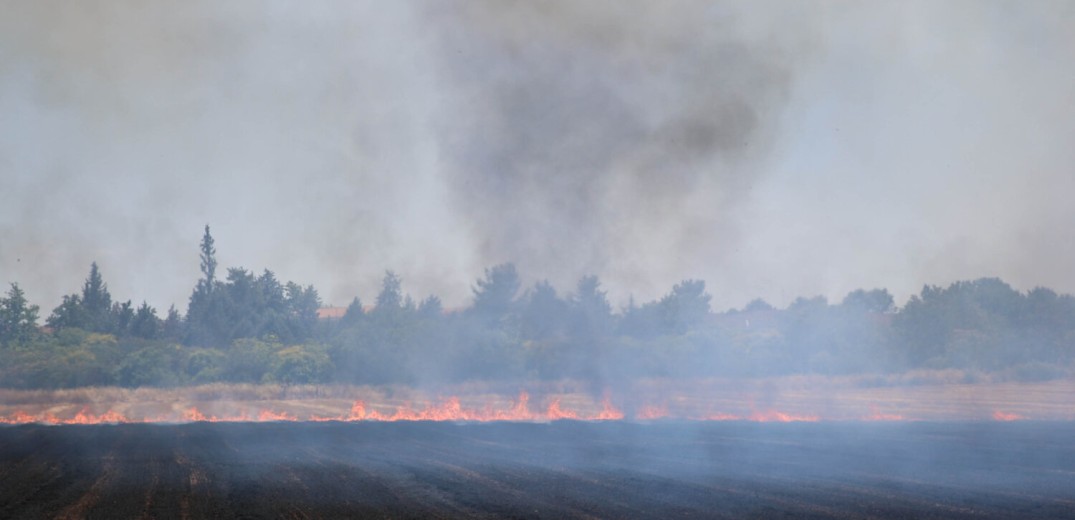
x,y
772,148
251,328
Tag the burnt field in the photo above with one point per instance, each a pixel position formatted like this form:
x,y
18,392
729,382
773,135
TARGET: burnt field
x,y
551,470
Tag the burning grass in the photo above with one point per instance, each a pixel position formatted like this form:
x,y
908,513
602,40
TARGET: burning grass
x,y
924,396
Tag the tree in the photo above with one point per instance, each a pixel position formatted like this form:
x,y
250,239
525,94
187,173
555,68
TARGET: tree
x,y
68,314
685,307
758,305
543,314
208,258
18,319
91,311
96,302
203,315
430,308
121,316
353,315
639,321
964,324
301,304
145,323
172,326
391,296
247,306
238,302
876,300
494,295
591,314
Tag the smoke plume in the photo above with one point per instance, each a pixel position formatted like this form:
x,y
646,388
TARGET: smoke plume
x,y
774,150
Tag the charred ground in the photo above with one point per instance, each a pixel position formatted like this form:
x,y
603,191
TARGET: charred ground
x,y
559,469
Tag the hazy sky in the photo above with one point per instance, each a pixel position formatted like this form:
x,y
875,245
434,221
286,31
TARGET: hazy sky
x,y
773,150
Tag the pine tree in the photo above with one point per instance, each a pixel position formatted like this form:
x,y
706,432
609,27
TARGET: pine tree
x,y
208,257
96,302
145,323
18,319
200,328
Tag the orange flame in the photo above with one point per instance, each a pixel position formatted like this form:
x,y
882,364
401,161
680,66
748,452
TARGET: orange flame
x,y
649,413
1005,416
452,408
877,415
721,417
775,416
555,412
269,415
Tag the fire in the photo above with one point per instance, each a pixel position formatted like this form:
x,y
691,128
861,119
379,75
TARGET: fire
x,y
453,408
877,415
554,412
82,417
450,409
1005,416
721,417
649,413
608,412
19,417
775,416
193,415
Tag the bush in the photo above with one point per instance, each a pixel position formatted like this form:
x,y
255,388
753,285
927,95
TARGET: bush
x,y
300,365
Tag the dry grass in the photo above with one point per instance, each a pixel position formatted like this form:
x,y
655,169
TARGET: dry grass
x,y
919,395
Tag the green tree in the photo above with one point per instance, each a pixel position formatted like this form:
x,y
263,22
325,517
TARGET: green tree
x,y
203,310
430,308
68,315
391,296
494,295
685,307
876,300
97,302
758,305
208,259
354,314
91,311
544,314
301,304
171,327
591,313
121,316
18,319
299,365
145,323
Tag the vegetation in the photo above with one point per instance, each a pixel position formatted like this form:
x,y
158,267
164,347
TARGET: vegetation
x,y
251,328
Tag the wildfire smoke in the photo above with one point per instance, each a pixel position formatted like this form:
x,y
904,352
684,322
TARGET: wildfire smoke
x,y
770,400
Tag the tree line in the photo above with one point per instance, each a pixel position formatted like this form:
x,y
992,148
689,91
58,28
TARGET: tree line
x,y
254,328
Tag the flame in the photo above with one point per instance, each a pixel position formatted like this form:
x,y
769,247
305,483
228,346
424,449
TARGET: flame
x,y
451,408
269,415
608,412
775,416
554,412
721,417
19,417
877,415
193,415
649,413
1006,416
82,417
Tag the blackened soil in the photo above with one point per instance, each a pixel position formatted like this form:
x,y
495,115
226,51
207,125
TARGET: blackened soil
x,y
563,469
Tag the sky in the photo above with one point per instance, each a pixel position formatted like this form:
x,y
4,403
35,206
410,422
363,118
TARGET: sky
x,y
772,149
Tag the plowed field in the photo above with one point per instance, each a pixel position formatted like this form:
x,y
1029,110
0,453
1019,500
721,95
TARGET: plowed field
x,y
555,470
